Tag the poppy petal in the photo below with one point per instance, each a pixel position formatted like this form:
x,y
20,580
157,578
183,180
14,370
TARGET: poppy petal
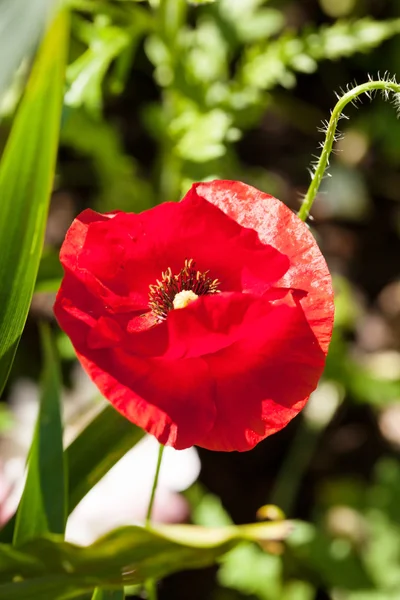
x,y
279,227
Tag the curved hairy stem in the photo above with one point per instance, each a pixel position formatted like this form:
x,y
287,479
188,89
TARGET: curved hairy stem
x,y
388,87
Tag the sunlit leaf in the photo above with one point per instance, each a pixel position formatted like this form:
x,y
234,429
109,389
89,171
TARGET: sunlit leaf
x,y
85,75
26,175
50,567
43,504
267,65
200,137
108,594
247,569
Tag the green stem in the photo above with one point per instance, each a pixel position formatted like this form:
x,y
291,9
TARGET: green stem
x,y
151,584
155,483
323,162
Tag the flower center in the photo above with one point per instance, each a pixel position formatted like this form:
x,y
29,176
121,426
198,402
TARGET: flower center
x,y
184,298
177,291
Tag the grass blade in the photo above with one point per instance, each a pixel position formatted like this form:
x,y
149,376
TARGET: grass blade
x,y
26,175
91,455
43,504
104,441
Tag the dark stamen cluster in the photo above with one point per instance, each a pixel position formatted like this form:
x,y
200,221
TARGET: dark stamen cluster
x,y
162,294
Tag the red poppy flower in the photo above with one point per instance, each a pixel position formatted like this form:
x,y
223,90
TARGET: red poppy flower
x,y
206,321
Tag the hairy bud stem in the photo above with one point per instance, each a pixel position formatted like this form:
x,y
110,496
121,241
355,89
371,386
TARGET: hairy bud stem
x,y
388,87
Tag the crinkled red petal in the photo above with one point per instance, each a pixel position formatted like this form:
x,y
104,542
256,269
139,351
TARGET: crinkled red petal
x,y
118,257
278,226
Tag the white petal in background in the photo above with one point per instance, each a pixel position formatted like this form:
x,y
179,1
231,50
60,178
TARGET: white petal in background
x,y
122,496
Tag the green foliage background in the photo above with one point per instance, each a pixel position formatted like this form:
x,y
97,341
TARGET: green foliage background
x,y
160,94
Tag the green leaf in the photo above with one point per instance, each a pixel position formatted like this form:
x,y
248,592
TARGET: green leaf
x,y
206,509
107,594
269,64
200,137
26,175
247,569
51,568
43,508
104,441
91,455
86,74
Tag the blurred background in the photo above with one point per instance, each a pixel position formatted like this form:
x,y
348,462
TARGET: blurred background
x,y
163,93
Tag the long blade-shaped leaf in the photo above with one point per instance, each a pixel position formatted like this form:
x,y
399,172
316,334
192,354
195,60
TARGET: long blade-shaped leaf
x,y
91,455
26,175
43,507
104,441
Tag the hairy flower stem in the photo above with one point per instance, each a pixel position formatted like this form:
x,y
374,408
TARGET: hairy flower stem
x,y
151,584
387,87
